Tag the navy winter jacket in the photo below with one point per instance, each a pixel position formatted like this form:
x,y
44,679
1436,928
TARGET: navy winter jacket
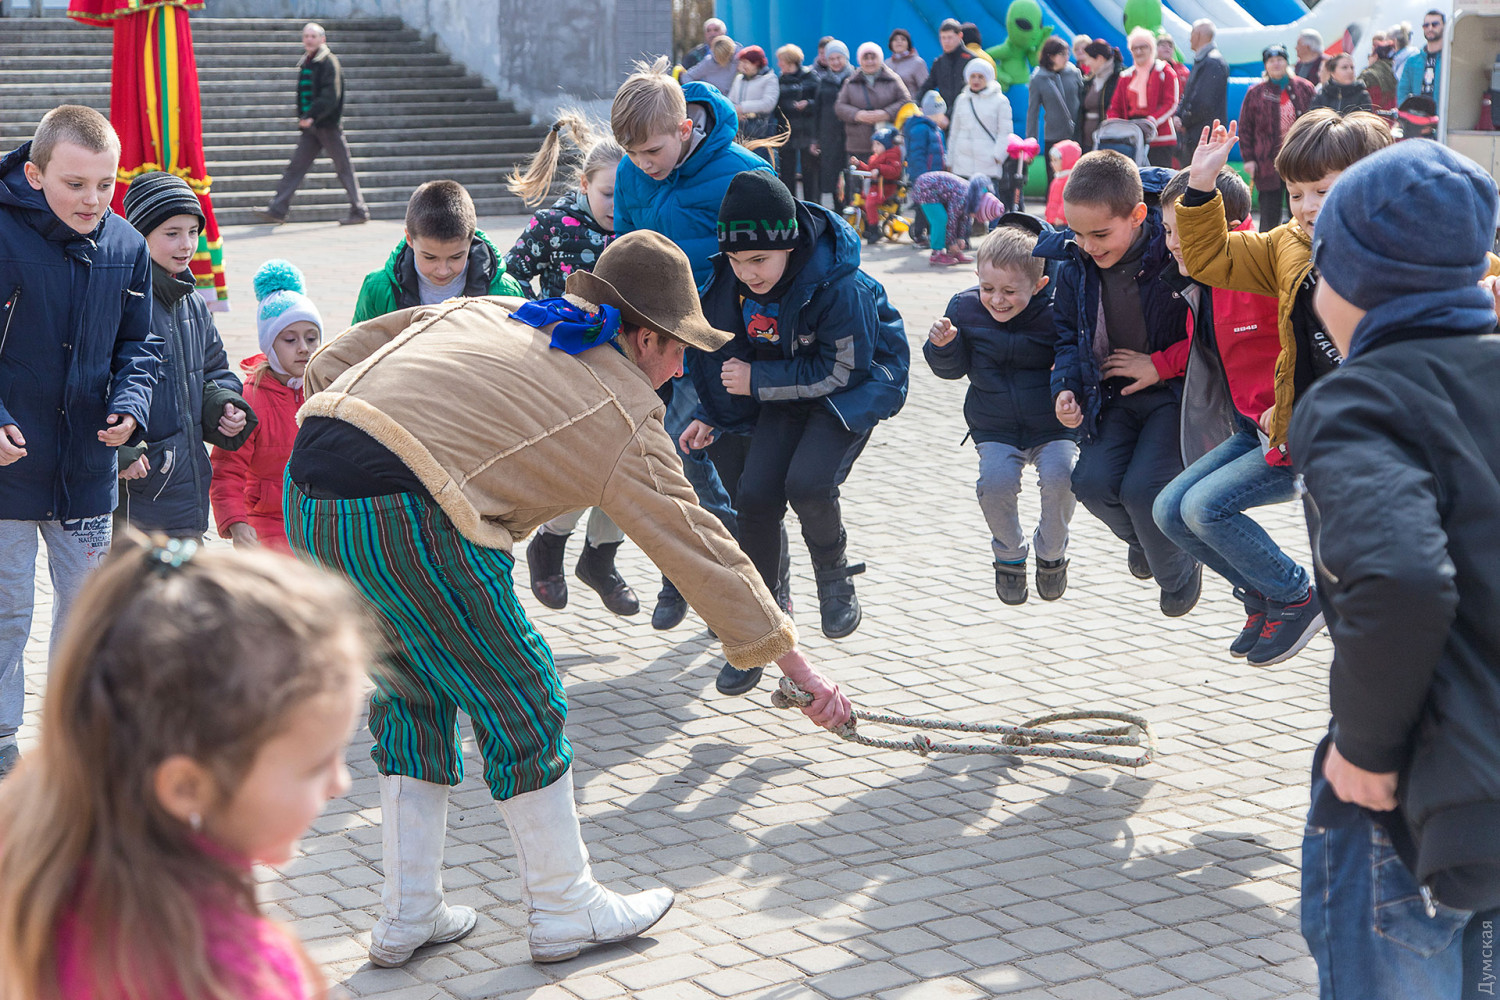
x,y
1075,305
75,321
925,150
1009,366
684,206
194,384
841,339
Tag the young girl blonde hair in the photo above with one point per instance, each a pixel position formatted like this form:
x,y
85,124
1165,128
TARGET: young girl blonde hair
x,y
597,151
205,659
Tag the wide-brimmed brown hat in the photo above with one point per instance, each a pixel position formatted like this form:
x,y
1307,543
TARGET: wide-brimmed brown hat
x,y
647,277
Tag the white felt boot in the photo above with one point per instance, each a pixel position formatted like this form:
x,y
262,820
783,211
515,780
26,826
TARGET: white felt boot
x,y
414,821
568,910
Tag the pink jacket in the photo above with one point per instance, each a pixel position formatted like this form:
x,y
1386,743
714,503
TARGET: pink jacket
x,y
247,483
1068,153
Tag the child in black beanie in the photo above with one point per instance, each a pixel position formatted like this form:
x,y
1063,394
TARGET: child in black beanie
x,y
819,358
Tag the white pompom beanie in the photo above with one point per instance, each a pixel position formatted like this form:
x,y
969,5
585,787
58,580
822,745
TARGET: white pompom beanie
x,y
280,303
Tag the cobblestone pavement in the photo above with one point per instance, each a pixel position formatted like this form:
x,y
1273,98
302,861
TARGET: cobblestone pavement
x,y
809,867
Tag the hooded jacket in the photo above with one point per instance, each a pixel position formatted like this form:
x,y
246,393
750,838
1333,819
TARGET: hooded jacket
x,y
555,243
1009,367
1163,91
194,384
979,132
684,205
925,149
75,346
841,340
531,433
1405,526
1068,154
885,93
1076,306
247,482
395,286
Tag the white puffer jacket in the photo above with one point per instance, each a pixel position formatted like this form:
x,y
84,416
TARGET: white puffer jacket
x,y
980,132
755,96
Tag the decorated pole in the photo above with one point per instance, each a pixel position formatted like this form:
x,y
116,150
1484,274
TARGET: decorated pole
x,y
155,109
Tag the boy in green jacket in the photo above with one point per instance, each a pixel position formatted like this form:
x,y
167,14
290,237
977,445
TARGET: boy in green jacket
x,y
443,255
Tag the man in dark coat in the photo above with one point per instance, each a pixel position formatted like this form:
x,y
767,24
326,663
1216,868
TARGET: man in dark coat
x,y
320,108
948,70
1206,92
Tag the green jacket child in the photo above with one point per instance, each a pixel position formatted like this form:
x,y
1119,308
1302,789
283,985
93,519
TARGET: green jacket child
x,y
399,285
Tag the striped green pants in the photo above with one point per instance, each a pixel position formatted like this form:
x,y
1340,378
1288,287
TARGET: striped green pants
x,y
456,638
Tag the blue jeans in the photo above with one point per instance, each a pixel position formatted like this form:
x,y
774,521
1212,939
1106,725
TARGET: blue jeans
x,y
1366,923
700,472
1202,512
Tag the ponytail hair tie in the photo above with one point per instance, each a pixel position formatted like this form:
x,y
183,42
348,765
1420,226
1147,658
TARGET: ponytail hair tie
x,y
171,556
558,125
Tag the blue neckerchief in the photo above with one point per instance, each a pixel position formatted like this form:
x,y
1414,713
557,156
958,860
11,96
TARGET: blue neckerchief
x,y
577,330
1469,307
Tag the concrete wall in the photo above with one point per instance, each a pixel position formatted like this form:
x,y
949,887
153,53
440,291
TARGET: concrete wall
x,y
541,53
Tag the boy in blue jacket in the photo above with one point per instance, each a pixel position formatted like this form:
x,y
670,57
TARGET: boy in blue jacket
x,y
1001,334
925,151
680,157
77,365
1111,305
819,358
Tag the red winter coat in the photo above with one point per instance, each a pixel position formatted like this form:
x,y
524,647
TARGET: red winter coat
x,y
1068,153
1163,93
1260,126
247,483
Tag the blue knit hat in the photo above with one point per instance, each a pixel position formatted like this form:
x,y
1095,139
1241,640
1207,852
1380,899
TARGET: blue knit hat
x,y
1415,217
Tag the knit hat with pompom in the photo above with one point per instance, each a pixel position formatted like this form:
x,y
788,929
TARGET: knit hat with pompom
x,y
280,303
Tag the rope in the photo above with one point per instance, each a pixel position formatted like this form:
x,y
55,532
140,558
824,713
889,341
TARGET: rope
x,y
1017,741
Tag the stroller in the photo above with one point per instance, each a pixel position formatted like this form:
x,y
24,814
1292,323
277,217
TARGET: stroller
x,y
1131,136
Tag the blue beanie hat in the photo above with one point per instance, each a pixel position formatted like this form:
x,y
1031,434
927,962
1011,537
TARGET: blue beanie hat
x,y
1415,217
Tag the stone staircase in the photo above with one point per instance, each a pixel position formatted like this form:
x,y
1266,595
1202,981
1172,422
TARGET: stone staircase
x,y
410,114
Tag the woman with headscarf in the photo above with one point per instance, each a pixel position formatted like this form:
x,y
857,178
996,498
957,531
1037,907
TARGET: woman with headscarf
x,y
1149,89
754,93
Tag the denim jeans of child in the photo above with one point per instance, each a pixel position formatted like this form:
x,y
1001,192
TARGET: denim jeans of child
x,y
712,496
999,491
1202,511
1366,922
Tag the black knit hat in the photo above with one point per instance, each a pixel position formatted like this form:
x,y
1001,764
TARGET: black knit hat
x,y
155,197
758,213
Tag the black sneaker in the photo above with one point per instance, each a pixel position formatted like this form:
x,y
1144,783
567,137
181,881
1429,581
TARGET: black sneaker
x,y
733,680
1051,579
1255,610
1139,567
1288,627
671,608
1176,603
1010,582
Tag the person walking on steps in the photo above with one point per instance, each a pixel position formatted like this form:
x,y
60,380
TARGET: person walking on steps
x,y
320,109
558,403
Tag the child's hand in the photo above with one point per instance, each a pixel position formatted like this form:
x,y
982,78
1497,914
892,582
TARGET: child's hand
x,y
243,536
1068,412
1371,789
1132,365
138,469
1212,155
1266,418
696,436
736,377
12,444
233,420
942,332
119,430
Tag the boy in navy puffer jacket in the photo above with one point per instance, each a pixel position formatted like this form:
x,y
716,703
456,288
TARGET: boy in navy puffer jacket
x,y
1001,334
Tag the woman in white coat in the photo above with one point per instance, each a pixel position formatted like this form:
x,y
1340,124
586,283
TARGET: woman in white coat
x,y
754,94
981,125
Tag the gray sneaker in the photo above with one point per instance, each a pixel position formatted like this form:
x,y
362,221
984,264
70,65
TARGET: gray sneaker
x,y
10,756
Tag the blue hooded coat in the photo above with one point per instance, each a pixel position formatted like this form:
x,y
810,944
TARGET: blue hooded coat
x,y
1076,305
925,149
841,340
75,345
684,206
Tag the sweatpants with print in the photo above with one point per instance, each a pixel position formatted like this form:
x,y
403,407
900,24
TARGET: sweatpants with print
x,y
999,490
74,548
457,639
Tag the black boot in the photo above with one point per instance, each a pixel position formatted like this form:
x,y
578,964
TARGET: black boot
x,y
1010,582
733,680
596,567
671,609
544,558
1051,579
837,603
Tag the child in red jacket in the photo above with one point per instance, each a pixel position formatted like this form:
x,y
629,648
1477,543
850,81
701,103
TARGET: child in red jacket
x,y
246,490
885,161
1062,156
